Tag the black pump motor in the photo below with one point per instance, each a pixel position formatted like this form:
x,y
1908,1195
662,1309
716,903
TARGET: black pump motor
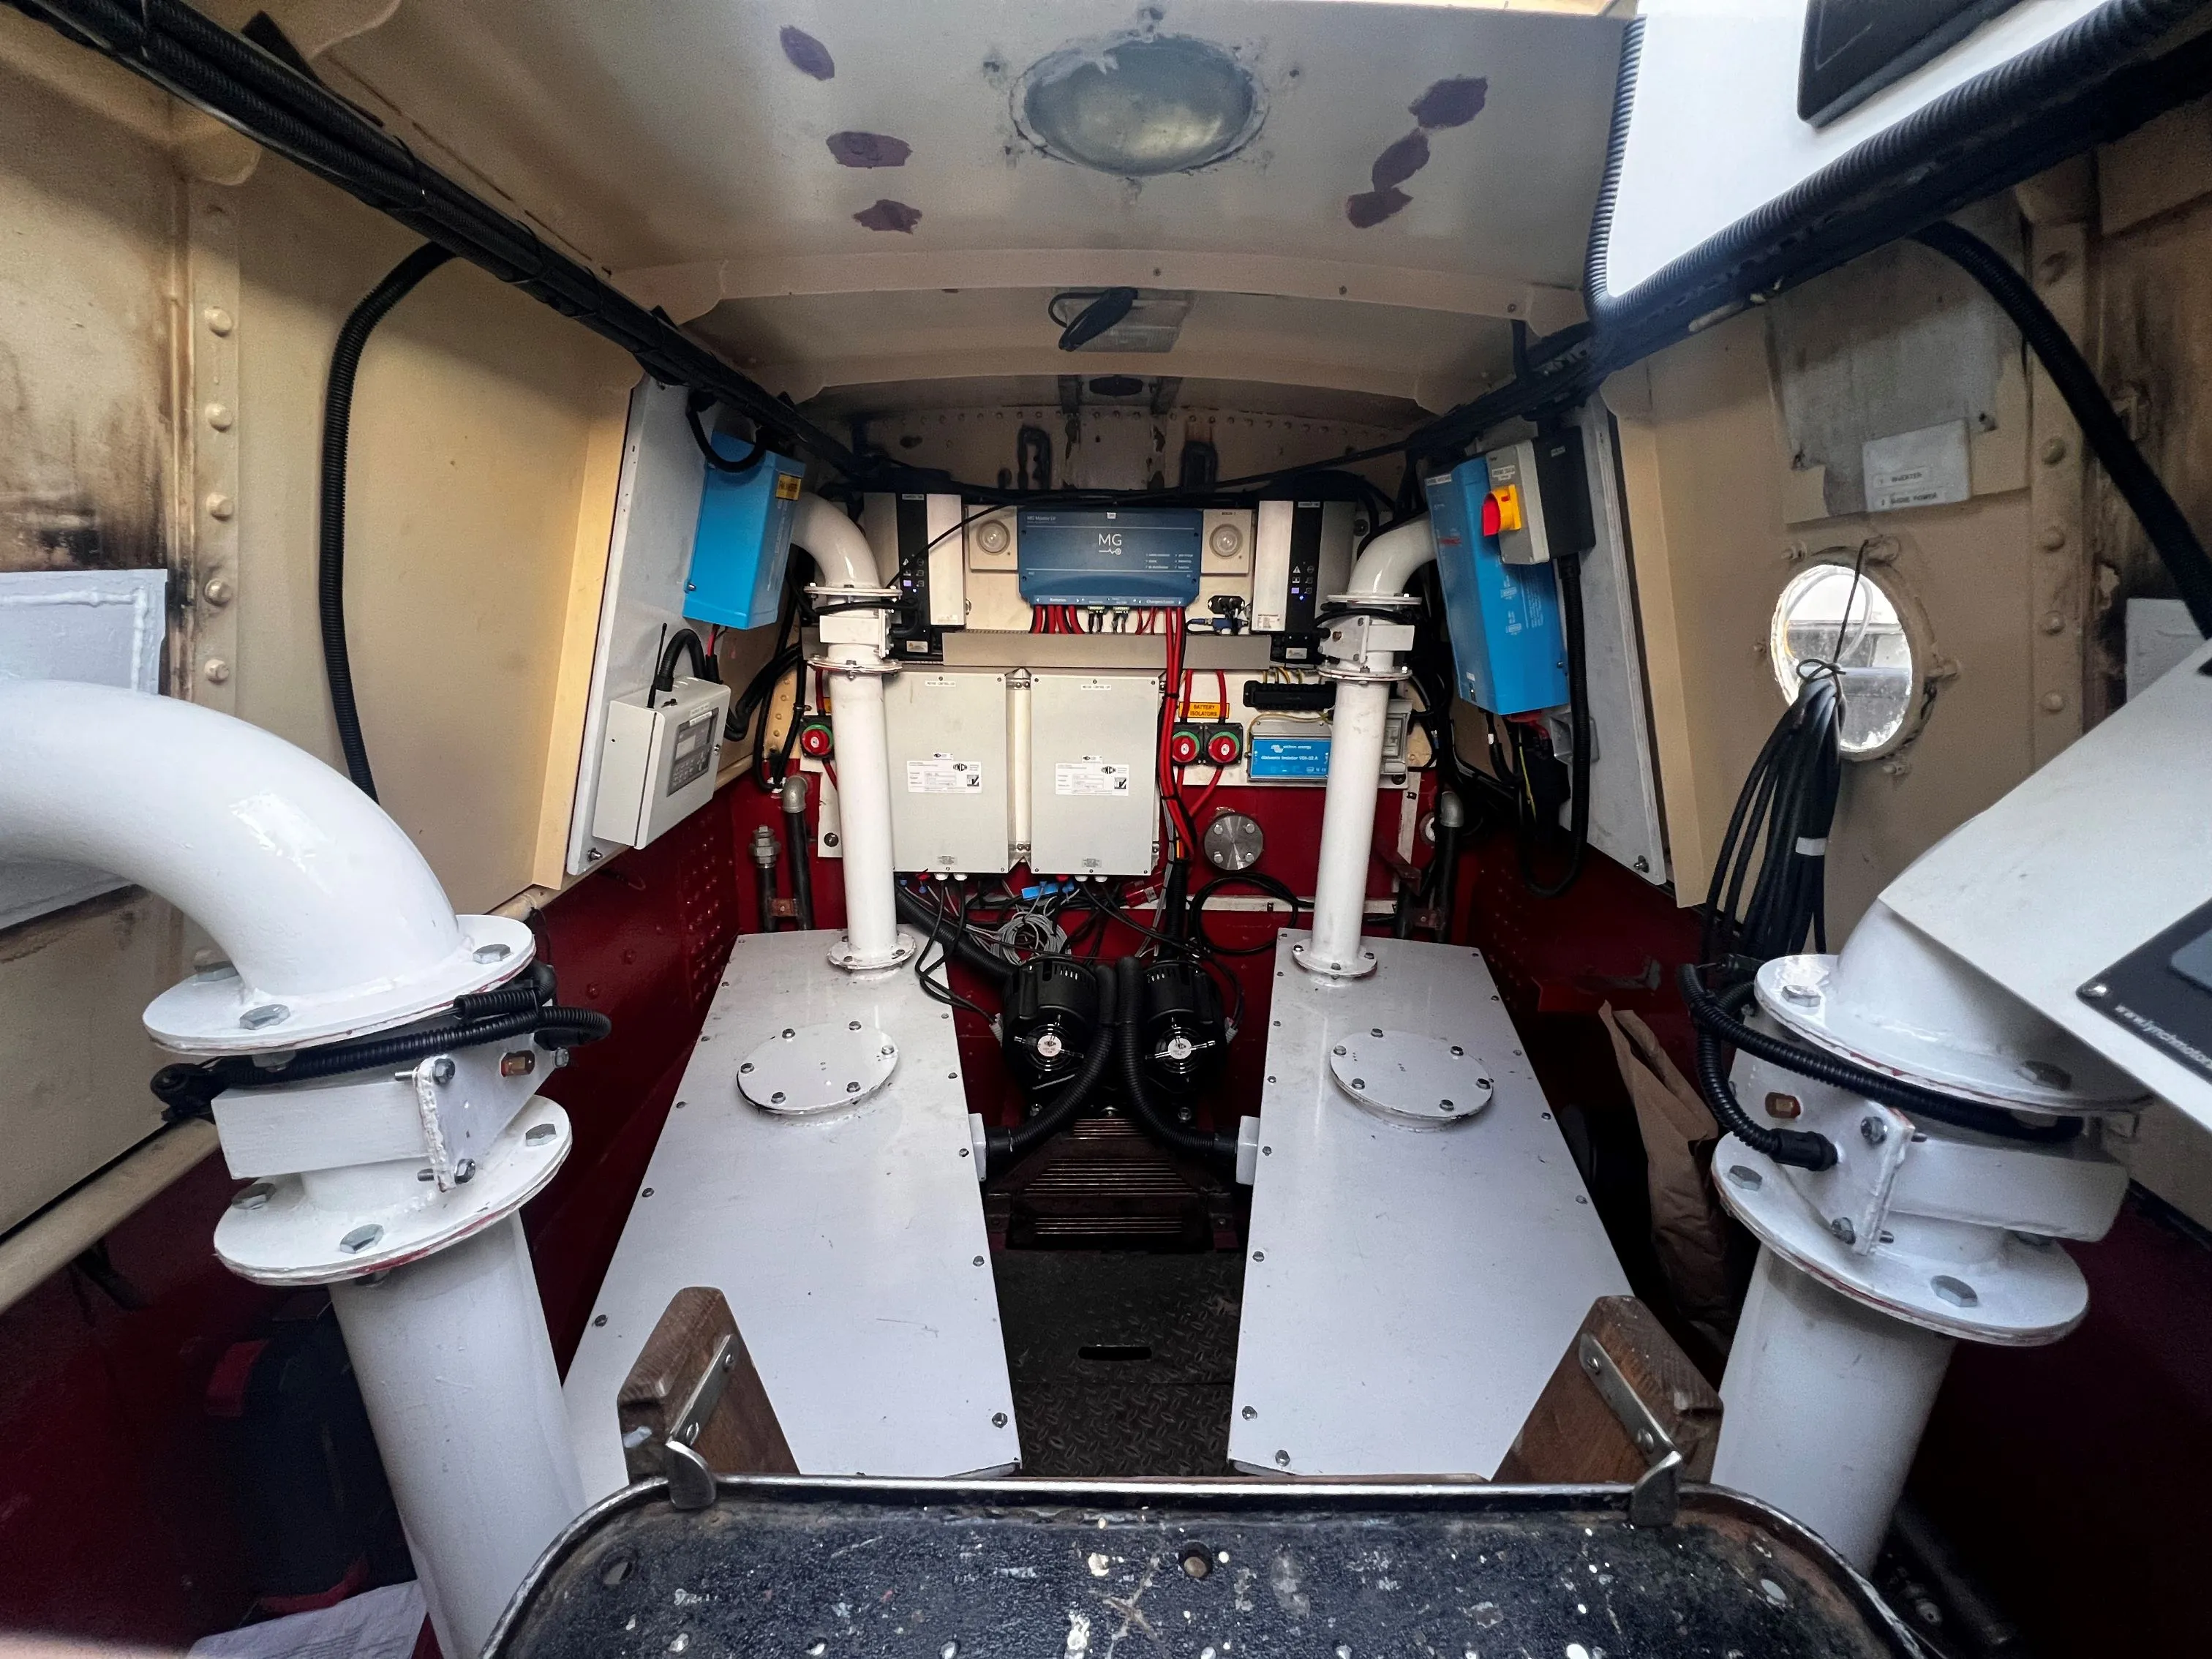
x,y
1049,1023
1185,1038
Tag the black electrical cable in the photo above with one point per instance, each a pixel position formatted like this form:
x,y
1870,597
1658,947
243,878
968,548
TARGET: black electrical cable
x,y
1267,884
1790,792
715,459
1800,1147
1004,1147
1193,1143
330,526
682,642
2138,483
995,969
1715,1016
1569,569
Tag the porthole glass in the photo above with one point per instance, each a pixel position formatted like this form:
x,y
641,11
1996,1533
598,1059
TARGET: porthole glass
x,y
1831,616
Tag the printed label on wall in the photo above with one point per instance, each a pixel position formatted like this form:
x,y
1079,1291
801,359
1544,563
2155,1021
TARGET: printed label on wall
x,y
1090,776
941,775
1917,469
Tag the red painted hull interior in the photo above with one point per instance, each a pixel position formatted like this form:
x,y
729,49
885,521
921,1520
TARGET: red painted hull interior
x,y
114,1519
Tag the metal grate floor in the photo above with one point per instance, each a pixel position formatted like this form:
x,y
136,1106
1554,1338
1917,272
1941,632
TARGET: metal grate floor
x,y
1122,1363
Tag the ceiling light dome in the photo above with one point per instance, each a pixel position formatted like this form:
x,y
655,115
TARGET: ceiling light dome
x,y
1140,106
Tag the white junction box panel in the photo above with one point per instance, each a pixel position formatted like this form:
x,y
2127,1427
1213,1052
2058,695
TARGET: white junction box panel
x,y
1094,800
904,526
1412,1284
951,811
849,1242
657,765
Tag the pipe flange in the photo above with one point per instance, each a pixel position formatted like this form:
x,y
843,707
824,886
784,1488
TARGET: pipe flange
x,y
877,598
217,1012
1363,963
1378,601
843,954
1347,673
807,1069
275,1232
881,668
1978,1283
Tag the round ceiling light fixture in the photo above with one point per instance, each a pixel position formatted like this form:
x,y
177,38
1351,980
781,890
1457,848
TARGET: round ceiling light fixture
x,y
1140,106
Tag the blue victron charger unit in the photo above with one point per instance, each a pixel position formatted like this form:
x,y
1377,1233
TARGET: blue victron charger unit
x,y
743,540
1507,640
1136,557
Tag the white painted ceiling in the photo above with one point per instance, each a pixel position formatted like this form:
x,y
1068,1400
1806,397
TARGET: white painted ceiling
x,y
680,147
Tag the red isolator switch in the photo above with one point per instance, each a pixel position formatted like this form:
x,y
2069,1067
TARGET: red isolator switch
x,y
1182,748
1224,749
1493,520
814,740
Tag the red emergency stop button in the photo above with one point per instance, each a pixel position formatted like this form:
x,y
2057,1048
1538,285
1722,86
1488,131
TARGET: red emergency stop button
x,y
1182,748
1491,517
1223,749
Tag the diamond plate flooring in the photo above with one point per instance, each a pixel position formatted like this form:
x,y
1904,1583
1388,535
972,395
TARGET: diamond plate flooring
x,y
1122,1362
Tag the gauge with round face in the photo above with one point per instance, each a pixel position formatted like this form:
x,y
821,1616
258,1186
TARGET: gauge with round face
x,y
1233,842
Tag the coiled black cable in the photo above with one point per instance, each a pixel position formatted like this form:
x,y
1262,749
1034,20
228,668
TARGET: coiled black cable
x,y
330,526
1005,1147
1790,793
715,459
1717,1025
1210,946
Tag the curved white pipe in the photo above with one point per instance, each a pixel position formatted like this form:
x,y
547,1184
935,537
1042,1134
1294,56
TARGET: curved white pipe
x,y
322,904
838,547
1392,558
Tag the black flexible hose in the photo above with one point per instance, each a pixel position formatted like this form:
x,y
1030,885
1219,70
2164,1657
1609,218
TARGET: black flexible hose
x,y
2138,483
1192,1143
1715,1020
1266,884
1005,1147
995,969
715,459
799,846
329,529
1800,1147
1569,569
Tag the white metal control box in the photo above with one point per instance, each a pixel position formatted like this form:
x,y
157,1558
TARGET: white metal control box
x,y
657,765
1094,796
952,804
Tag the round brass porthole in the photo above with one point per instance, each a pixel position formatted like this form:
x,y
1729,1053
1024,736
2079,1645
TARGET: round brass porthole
x,y
1847,613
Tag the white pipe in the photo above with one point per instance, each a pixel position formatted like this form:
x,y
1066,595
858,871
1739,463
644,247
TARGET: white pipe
x,y
1390,559
838,546
1020,712
864,818
1823,1404
1357,730
1347,827
458,1374
315,896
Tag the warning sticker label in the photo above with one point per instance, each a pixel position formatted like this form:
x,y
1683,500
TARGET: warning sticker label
x,y
941,775
1090,776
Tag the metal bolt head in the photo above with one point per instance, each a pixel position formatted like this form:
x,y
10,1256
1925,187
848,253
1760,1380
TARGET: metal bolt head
x,y
254,1197
465,1172
538,1133
1458,1051
1359,1082
1745,1176
1249,1413
776,1099
2054,451
742,1069
2048,1075
601,1320
851,1088
1805,996
360,1238
1375,1030
998,1419
977,1263
1841,1226
1872,1131
268,1014
492,952
852,1024
1283,1460
1337,1050
441,1069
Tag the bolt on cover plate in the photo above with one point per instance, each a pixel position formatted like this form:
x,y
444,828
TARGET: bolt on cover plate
x,y
1423,1079
816,1068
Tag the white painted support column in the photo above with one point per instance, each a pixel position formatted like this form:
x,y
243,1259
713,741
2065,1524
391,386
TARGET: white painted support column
x,y
1347,829
458,1374
864,818
1823,1404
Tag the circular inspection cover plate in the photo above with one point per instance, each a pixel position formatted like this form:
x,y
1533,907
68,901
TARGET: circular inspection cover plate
x,y
1422,1077
813,1069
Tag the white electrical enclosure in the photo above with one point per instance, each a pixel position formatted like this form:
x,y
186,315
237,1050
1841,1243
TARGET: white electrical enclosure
x,y
1411,1285
849,1243
1094,797
952,810
657,764
649,560
899,524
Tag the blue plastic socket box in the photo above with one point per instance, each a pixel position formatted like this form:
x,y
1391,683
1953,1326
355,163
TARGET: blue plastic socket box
x,y
1507,640
743,539
1135,556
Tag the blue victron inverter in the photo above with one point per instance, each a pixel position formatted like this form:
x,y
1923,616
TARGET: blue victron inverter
x,y
1507,640
743,539
1140,557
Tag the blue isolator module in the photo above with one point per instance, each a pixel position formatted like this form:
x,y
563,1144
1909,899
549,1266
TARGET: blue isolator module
x,y
1138,556
1507,640
743,539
